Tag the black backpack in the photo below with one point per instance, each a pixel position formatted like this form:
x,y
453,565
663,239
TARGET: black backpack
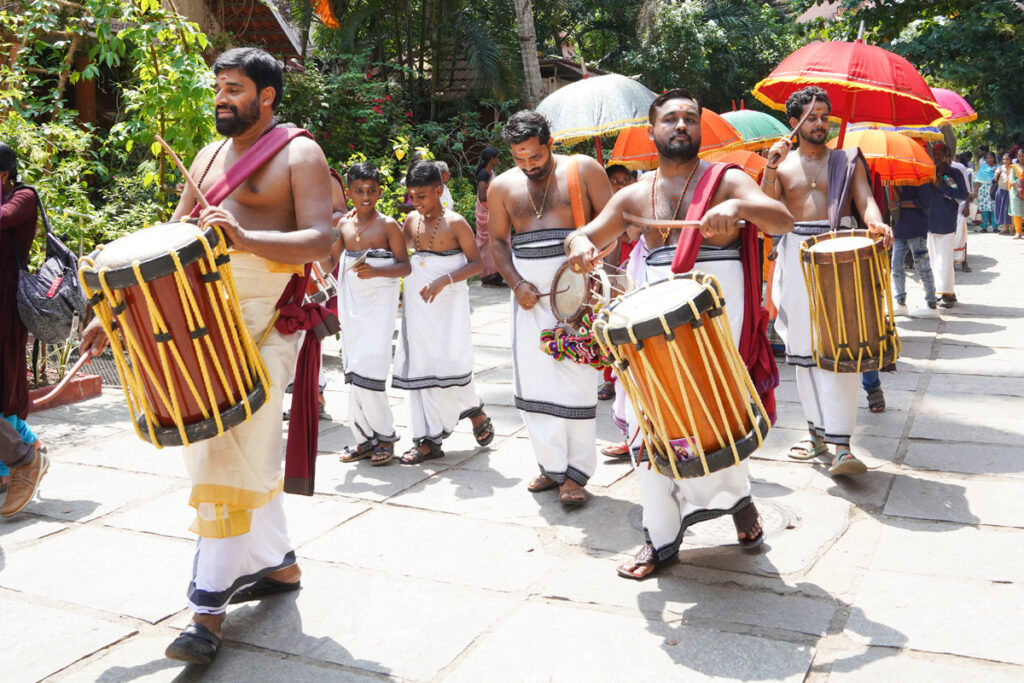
x,y
51,303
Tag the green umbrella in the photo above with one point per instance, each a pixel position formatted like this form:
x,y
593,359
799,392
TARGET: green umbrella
x,y
758,130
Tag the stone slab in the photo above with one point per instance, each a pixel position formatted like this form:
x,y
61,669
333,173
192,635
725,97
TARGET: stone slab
x,y
40,641
973,384
976,407
985,429
966,458
109,409
362,480
126,452
992,332
115,571
979,360
141,658
61,434
79,492
669,597
939,614
21,529
166,515
531,646
438,547
943,497
874,664
985,553
391,625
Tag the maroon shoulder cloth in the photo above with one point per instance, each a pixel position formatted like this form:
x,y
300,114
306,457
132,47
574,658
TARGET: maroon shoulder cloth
x,y
754,348
294,315
18,216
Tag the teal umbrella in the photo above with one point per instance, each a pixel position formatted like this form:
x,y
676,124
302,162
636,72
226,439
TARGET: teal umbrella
x,y
758,130
595,106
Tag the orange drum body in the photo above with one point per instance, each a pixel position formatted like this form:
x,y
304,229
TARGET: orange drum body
x,y
849,288
673,349
167,301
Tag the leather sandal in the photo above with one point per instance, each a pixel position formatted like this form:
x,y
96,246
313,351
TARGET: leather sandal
x,y
811,448
541,482
414,456
876,401
645,557
745,519
358,452
196,644
484,432
382,454
846,462
264,588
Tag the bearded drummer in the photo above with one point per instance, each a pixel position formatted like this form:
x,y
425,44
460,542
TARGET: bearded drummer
x,y
717,198
279,215
558,399
822,188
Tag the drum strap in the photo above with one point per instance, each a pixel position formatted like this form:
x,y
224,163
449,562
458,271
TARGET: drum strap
x,y
579,217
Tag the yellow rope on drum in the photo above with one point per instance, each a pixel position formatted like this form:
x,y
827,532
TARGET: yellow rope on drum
x,y
215,295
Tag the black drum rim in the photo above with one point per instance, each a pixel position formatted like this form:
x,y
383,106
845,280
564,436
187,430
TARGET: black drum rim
x,y
204,429
151,269
705,302
722,458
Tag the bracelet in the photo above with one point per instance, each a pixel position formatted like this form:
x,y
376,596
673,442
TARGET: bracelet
x,y
574,235
521,282
450,280
771,168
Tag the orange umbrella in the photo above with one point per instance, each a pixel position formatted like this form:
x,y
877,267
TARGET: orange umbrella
x,y
752,162
898,159
635,149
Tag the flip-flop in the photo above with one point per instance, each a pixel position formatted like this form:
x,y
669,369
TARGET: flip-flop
x,y
847,463
196,644
744,519
565,497
551,483
616,450
263,588
812,450
645,556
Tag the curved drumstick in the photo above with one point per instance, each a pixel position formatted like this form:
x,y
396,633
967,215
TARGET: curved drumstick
x,y
775,157
184,171
63,383
666,223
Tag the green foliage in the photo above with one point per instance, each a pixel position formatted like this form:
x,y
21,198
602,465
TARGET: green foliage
x,y
464,193
128,204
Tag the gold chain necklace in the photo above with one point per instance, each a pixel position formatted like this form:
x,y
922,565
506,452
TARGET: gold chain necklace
x,y
654,200
433,234
544,201
814,183
369,222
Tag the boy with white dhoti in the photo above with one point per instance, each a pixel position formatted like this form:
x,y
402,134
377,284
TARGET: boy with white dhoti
x,y
946,211
715,197
434,359
372,252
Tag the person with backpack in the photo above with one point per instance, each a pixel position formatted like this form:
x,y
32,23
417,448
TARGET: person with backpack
x,y
18,216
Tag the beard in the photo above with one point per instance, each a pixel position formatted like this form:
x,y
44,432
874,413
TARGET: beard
x,y
678,147
541,173
816,136
240,122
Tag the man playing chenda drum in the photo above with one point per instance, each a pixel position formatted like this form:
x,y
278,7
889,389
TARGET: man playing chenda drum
x,y
821,189
686,185
280,215
558,398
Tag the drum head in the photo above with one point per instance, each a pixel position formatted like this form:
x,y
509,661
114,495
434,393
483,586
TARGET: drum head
x,y
639,313
837,244
570,293
147,243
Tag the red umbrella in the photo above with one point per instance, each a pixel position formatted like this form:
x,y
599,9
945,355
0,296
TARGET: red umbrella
x,y
635,149
961,111
864,83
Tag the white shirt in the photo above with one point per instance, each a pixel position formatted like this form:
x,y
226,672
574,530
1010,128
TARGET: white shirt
x,y
446,199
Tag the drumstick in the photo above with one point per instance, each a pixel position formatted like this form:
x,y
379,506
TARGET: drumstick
x,y
775,157
184,171
666,223
361,259
63,383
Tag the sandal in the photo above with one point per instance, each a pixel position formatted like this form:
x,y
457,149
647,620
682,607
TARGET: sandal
x,y
196,644
264,588
616,450
571,497
876,401
484,432
359,452
606,391
846,463
745,519
541,482
414,456
813,448
382,454
645,557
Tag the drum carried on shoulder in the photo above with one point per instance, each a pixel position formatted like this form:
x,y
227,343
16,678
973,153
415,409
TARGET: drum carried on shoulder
x,y
849,289
696,405
167,301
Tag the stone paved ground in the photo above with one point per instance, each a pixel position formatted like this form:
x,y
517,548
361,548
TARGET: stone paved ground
x,y
452,571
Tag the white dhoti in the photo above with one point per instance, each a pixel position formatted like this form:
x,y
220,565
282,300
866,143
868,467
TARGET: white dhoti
x,y
558,399
829,399
366,311
434,358
940,253
237,476
672,505
960,241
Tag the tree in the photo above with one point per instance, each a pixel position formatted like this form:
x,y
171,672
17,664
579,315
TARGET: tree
x,y
528,48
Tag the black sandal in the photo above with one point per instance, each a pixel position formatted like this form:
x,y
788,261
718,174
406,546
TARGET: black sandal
x,y
385,449
745,518
485,427
876,401
196,644
263,588
414,456
358,452
645,556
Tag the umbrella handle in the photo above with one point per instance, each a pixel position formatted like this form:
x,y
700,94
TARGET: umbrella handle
x,y
665,223
775,157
